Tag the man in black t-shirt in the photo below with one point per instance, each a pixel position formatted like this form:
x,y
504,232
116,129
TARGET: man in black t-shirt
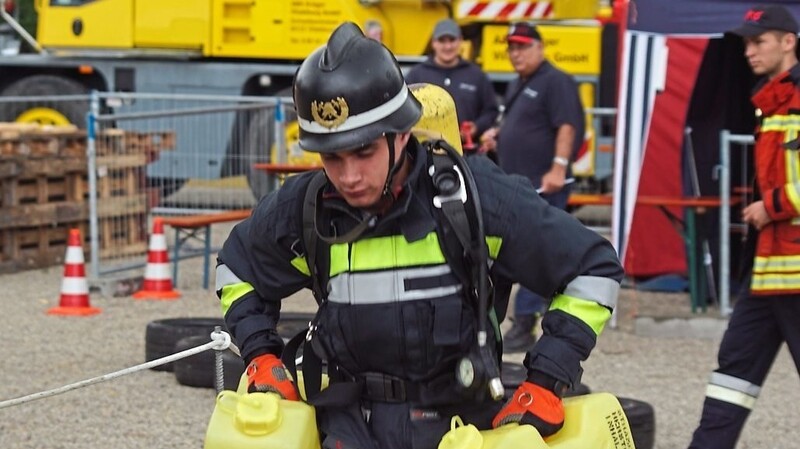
x,y
471,89
541,130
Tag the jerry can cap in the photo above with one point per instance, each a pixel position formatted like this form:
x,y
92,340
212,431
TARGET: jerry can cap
x,y
258,413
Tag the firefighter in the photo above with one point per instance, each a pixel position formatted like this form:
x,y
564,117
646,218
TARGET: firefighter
x,y
396,321
769,315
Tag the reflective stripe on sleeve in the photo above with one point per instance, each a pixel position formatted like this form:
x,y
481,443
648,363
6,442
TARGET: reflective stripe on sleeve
x,y
601,290
229,287
594,314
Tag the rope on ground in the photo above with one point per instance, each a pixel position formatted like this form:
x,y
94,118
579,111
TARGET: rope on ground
x,y
220,341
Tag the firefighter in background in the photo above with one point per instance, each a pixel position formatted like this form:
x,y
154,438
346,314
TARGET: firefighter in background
x,y
470,88
770,314
395,320
541,131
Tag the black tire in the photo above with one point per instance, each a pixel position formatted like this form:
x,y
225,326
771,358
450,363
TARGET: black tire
x,y
161,336
513,374
642,420
257,147
46,85
199,370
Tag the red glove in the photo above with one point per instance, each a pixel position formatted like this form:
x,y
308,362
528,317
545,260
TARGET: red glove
x,y
267,374
535,405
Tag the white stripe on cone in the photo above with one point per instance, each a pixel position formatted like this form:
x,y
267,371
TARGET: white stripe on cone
x,y
158,242
74,255
74,286
157,271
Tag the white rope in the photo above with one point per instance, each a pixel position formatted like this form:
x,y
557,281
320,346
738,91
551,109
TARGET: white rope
x,y
220,341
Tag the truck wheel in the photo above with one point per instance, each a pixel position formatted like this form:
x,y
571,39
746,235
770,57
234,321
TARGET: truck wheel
x,y
46,112
199,370
260,135
642,420
161,336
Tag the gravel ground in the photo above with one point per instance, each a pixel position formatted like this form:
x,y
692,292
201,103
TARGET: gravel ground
x,y
149,409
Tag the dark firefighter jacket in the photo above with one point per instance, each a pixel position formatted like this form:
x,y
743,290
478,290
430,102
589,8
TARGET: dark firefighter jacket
x,y
395,305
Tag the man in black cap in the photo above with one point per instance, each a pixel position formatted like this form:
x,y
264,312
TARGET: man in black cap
x,y
471,89
542,129
769,315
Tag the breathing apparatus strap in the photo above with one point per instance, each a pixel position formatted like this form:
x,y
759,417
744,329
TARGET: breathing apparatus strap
x,y
455,186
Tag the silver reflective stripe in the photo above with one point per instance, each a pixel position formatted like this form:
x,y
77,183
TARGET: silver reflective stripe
x,y
733,390
358,120
389,286
225,277
734,383
603,291
730,396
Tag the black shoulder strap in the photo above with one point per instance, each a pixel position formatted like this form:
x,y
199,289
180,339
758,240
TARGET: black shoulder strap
x,y
311,241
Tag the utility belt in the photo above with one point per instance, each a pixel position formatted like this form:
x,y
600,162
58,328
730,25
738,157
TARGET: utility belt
x,y
346,389
380,387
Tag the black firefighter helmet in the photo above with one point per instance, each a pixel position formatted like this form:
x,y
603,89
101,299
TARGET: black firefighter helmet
x,y
350,92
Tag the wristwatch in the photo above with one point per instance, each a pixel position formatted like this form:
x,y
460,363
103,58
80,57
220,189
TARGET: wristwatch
x,y
562,161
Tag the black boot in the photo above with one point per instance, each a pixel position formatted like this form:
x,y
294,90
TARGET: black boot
x,y
521,336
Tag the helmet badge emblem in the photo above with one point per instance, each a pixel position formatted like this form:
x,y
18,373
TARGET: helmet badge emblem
x,y
330,114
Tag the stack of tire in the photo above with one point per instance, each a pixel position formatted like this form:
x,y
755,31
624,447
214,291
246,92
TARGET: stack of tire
x,y
169,336
640,414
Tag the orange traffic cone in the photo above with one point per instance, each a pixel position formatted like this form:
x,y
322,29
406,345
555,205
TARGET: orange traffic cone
x,y
157,279
74,288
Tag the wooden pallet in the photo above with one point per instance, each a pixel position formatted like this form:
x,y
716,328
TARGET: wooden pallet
x,y
44,191
35,246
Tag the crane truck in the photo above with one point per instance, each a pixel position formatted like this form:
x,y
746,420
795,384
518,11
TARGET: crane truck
x,y
253,47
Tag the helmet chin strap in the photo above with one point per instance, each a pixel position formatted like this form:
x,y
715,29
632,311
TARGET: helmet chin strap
x,y
370,219
393,168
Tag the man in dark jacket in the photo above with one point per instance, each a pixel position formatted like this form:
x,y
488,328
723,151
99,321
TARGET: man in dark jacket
x,y
473,93
542,129
402,323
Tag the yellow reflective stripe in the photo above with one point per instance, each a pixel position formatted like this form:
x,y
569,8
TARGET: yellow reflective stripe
x,y
301,265
781,123
776,264
392,252
340,260
494,244
792,172
380,253
730,396
231,293
768,282
590,312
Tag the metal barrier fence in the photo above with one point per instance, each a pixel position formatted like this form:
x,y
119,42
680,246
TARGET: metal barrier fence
x,y
151,154
744,143
161,154
110,161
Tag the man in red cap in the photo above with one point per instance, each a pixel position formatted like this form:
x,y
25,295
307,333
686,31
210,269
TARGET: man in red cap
x,y
541,130
770,313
